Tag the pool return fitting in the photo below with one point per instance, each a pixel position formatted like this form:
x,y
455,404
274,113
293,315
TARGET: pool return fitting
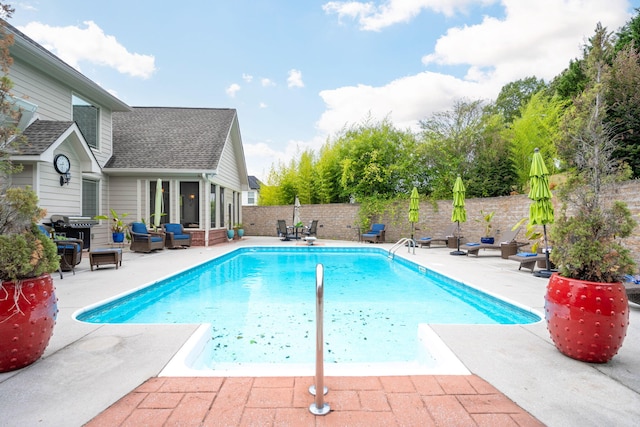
x,y
318,407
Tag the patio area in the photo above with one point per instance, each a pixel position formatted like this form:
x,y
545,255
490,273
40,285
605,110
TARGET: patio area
x,y
108,374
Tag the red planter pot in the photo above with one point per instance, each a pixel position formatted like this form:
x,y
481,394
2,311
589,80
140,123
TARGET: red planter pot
x,y
587,320
25,335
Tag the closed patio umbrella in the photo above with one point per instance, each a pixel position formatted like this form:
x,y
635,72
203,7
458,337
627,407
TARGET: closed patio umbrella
x,y
158,207
414,209
296,211
541,209
296,215
459,213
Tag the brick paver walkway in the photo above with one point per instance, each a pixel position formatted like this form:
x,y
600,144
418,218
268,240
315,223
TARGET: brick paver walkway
x,y
284,401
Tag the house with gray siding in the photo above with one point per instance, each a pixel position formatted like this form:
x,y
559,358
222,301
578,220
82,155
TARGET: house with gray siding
x,y
117,153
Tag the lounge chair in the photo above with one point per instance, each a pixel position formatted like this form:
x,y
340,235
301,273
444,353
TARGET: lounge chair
x,y
507,244
143,240
375,235
311,230
283,231
176,236
528,259
443,237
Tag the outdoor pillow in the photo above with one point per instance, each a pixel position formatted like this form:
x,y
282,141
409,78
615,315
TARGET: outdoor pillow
x,y
173,228
139,227
526,254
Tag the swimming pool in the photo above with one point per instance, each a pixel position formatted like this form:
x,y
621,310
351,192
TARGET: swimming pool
x,y
259,304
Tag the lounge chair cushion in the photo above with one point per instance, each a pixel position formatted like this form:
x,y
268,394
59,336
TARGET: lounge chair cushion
x,y
139,227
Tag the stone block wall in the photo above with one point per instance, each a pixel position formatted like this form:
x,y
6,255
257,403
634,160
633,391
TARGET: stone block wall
x,y
339,221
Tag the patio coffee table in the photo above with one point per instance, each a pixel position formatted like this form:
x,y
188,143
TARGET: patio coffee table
x,y
104,256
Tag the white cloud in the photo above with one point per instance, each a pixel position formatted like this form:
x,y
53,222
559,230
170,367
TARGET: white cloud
x,y
390,12
75,45
247,78
532,38
262,105
266,82
295,78
232,90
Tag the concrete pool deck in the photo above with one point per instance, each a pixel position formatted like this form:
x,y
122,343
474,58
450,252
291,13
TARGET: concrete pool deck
x,y
87,368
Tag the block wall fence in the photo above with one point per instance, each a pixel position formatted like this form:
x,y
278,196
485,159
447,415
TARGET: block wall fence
x,y
339,221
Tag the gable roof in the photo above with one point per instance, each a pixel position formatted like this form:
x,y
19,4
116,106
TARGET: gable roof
x,y
254,183
170,138
44,136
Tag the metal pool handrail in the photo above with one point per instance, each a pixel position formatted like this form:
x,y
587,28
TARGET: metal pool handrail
x,y
410,244
319,407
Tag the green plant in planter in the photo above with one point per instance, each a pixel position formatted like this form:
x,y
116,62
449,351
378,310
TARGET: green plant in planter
x,y
585,304
28,304
486,218
117,223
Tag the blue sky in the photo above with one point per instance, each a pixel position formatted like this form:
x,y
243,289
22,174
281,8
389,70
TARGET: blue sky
x,y
298,71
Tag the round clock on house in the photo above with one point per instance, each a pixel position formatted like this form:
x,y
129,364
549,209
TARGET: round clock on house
x,y
62,165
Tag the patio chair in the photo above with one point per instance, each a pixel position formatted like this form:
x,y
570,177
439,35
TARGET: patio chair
x,y
442,237
69,250
143,240
507,244
375,235
176,236
283,231
311,230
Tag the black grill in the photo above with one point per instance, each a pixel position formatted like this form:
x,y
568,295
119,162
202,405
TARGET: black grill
x,y
76,227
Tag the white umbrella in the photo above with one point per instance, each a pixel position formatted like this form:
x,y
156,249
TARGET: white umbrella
x,y
296,211
158,211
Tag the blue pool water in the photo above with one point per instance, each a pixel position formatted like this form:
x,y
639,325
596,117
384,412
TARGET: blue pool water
x,y
260,303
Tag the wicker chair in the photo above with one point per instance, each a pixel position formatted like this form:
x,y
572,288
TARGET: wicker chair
x,y
143,240
375,235
176,236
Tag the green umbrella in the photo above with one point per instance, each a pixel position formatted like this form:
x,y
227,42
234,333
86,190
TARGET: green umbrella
x,y
541,209
414,208
459,213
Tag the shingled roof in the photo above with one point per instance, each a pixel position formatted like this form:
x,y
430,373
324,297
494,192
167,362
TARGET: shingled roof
x,y
170,138
41,134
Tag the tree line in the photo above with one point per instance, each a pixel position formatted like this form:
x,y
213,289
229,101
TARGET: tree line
x,y
489,144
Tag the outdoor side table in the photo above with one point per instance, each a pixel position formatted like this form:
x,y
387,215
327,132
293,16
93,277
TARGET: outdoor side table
x,y
105,256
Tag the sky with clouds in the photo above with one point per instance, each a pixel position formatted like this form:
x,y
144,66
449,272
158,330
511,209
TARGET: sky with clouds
x,y
299,71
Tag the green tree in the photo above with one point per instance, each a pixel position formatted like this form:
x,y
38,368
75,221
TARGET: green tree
x,y
629,34
449,145
375,160
622,96
513,96
538,127
492,173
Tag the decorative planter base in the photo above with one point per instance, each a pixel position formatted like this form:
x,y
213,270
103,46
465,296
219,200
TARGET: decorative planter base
x,y
587,320
25,335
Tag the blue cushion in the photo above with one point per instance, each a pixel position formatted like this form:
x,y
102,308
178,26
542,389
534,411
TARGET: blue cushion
x,y
156,239
473,244
173,228
526,254
369,234
424,238
376,228
139,227
181,236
